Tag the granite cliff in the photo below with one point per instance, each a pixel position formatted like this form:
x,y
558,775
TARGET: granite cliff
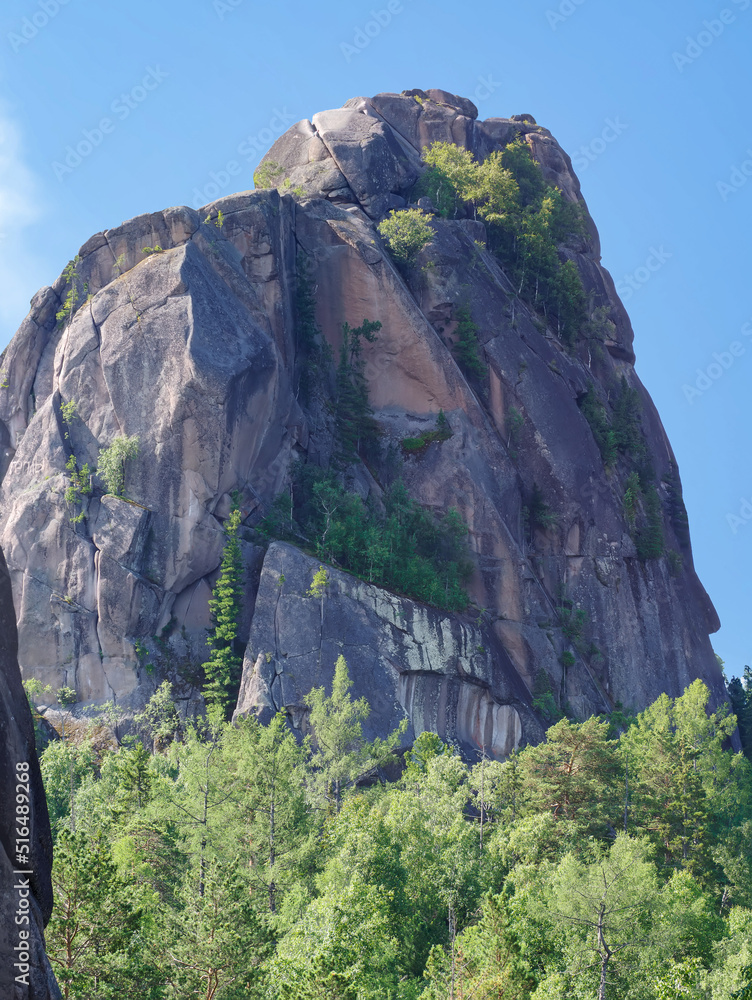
x,y
25,840
183,330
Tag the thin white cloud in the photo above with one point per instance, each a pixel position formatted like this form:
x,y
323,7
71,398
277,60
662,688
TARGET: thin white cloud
x,y
20,264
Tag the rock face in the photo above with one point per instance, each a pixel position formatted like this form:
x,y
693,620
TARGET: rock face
x,y
408,660
25,854
193,346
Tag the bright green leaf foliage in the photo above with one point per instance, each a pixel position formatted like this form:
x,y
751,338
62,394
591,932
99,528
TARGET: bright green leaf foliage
x,y
111,468
528,222
341,754
406,232
238,861
401,547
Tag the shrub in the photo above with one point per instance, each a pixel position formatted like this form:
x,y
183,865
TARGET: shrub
x,y
406,232
398,545
66,696
527,220
540,514
112,463
268,174
441,433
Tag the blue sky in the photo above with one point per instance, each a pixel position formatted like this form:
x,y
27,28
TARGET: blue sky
x,y
174,104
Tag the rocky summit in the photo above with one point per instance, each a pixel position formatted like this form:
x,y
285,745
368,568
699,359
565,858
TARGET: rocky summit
x,y
213,336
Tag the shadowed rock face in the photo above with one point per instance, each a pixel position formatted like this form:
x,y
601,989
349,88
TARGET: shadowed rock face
x,y
194,349
25,887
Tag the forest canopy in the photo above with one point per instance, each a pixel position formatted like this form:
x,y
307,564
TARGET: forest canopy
x,y
208,859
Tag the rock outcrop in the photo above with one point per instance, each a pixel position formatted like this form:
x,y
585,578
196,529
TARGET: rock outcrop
x,y
408,660
25,841
184,334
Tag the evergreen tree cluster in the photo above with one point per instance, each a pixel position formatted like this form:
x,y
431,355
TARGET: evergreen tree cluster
x,y
527,219
358,433
395,544
613,860
223,668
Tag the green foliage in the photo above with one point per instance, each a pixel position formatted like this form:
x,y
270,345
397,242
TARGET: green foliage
x,y
66,696
399,546
74,290
68,413
540,514
222,669
341,756
442,432
99,939
527,219
406,232
111,467
649,540
450,179
314,351
268,175
160,720
79,485
466,345
357,430
594,412
544,701
152,250
632,496
216,939
573,622
319,583
626,423
237,861
740,697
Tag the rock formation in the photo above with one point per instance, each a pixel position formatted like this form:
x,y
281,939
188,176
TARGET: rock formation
x,y
25,851
182,330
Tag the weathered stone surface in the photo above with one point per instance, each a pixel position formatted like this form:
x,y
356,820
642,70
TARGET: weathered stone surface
x,y
195,350
441,672
25,864
183,350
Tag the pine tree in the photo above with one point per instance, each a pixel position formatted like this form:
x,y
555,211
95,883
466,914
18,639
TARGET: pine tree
x,y
357,429
223,668
466,345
